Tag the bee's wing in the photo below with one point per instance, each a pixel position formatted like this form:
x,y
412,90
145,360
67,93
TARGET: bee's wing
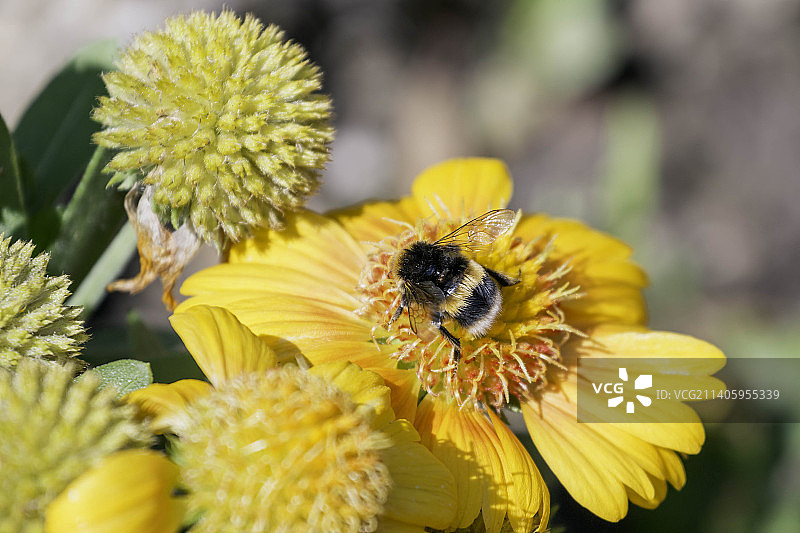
x,y
481,231
418,304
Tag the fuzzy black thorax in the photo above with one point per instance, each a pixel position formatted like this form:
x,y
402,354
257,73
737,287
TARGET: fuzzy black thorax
x,y
444,266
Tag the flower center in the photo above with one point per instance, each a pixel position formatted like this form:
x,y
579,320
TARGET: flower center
x,y
283,451
509,361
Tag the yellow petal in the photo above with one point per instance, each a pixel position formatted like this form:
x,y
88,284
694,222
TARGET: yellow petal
x,y
682,437
481,461
600,265
603,465
576,458
374,221
322,334
364,353
303,322
649,503
672,373
363,386
688,359
676,475
574,240
666,423
423,489
613,459
639,451
403,384
624,342
462,188
167,403
598,305
314,258
129,491
527,492
442,434
405,391
222,346
258,279
310,243
485,447
389,525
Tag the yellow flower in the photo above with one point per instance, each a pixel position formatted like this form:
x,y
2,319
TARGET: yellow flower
x,y
220,129
66,445
34,322
269,447
222,117
326,286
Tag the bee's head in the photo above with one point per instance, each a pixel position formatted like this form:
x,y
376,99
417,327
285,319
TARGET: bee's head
x,y
424,261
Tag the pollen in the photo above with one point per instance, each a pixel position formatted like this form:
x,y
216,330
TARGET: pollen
x,y
283,451
510,361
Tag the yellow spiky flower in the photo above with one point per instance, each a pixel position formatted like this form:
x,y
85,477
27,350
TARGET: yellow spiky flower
x,y
224,119
269,447
66,445
34,322
220,130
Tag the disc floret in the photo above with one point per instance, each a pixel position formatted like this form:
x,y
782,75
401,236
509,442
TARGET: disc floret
x,y
511,360
283,451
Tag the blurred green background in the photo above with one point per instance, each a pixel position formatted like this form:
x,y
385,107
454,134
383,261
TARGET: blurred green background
x,y
674,125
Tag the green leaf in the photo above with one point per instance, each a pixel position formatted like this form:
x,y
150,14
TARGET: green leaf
x,y
12,190
53,138
89,224
125,375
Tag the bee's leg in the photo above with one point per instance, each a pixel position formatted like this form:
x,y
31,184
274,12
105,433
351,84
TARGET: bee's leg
x,y
399,310
454,341
396,314
503,280
436,319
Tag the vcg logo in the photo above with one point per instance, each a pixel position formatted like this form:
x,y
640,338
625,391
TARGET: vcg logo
x,y
644,381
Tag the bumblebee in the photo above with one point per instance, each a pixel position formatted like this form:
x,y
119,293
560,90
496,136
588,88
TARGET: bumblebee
x,y
439,282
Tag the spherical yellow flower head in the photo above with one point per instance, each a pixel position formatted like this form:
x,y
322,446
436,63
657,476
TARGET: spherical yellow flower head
x,y
34,322
224,118
511,359
283,450
52,430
